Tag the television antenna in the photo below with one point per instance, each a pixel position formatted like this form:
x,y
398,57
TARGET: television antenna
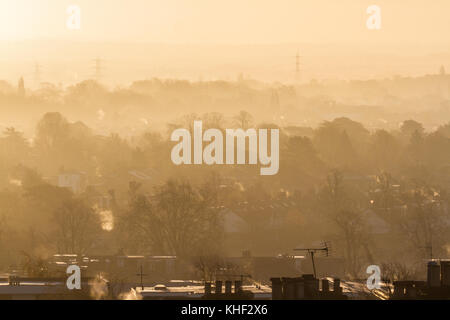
x,y
313,251
141,275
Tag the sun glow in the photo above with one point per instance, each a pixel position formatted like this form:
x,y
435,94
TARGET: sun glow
x,y
16,19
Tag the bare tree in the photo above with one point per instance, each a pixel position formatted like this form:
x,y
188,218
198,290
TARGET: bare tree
x,y
423,222
140,227
345,214
77,227
397,271
188,220
243,120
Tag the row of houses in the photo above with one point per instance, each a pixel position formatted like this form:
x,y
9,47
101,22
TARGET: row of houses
x,y
165,268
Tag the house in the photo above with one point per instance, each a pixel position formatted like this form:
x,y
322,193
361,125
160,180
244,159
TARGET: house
x,y
232,222
75,181
146,175
196,290
16,288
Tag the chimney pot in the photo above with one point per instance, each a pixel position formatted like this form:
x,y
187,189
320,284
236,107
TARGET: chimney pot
x,y
218,287
228,285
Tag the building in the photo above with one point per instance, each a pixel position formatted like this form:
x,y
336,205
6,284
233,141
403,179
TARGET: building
x,y
306,287
17,288
196,290
75,181
437,285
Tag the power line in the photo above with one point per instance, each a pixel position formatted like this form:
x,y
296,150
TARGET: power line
x,y
297,67
37,74
98,69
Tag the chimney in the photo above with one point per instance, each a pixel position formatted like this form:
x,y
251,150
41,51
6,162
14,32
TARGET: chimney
x,y
311,286
299,288
433,274
337,286
277,292
288,288
228,285
445,273
218,287
207,288
325,285
238,286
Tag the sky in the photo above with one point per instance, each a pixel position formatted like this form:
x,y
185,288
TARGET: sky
x,y
227,22
212,39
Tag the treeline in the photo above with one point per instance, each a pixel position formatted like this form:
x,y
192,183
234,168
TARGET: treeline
x,y
150,104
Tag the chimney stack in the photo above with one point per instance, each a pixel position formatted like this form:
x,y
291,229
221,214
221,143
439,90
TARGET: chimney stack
x,y
325,285
207,288
277,291
299,288
238,286
288,288
311,286
445,273
433,274
228,285
218,287
337,286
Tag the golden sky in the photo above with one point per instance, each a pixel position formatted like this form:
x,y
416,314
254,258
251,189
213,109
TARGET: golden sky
x,y
218,39
229,22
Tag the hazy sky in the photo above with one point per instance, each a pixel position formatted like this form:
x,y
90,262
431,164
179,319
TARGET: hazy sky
x,y
220,39
228,21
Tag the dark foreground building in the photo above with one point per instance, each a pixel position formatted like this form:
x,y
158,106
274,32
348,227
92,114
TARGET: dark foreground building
x,y
306,287
437,285
27,288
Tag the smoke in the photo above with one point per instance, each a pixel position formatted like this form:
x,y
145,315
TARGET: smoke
x,y
100,114
106,219
98,288
240,186
16,182
131,295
